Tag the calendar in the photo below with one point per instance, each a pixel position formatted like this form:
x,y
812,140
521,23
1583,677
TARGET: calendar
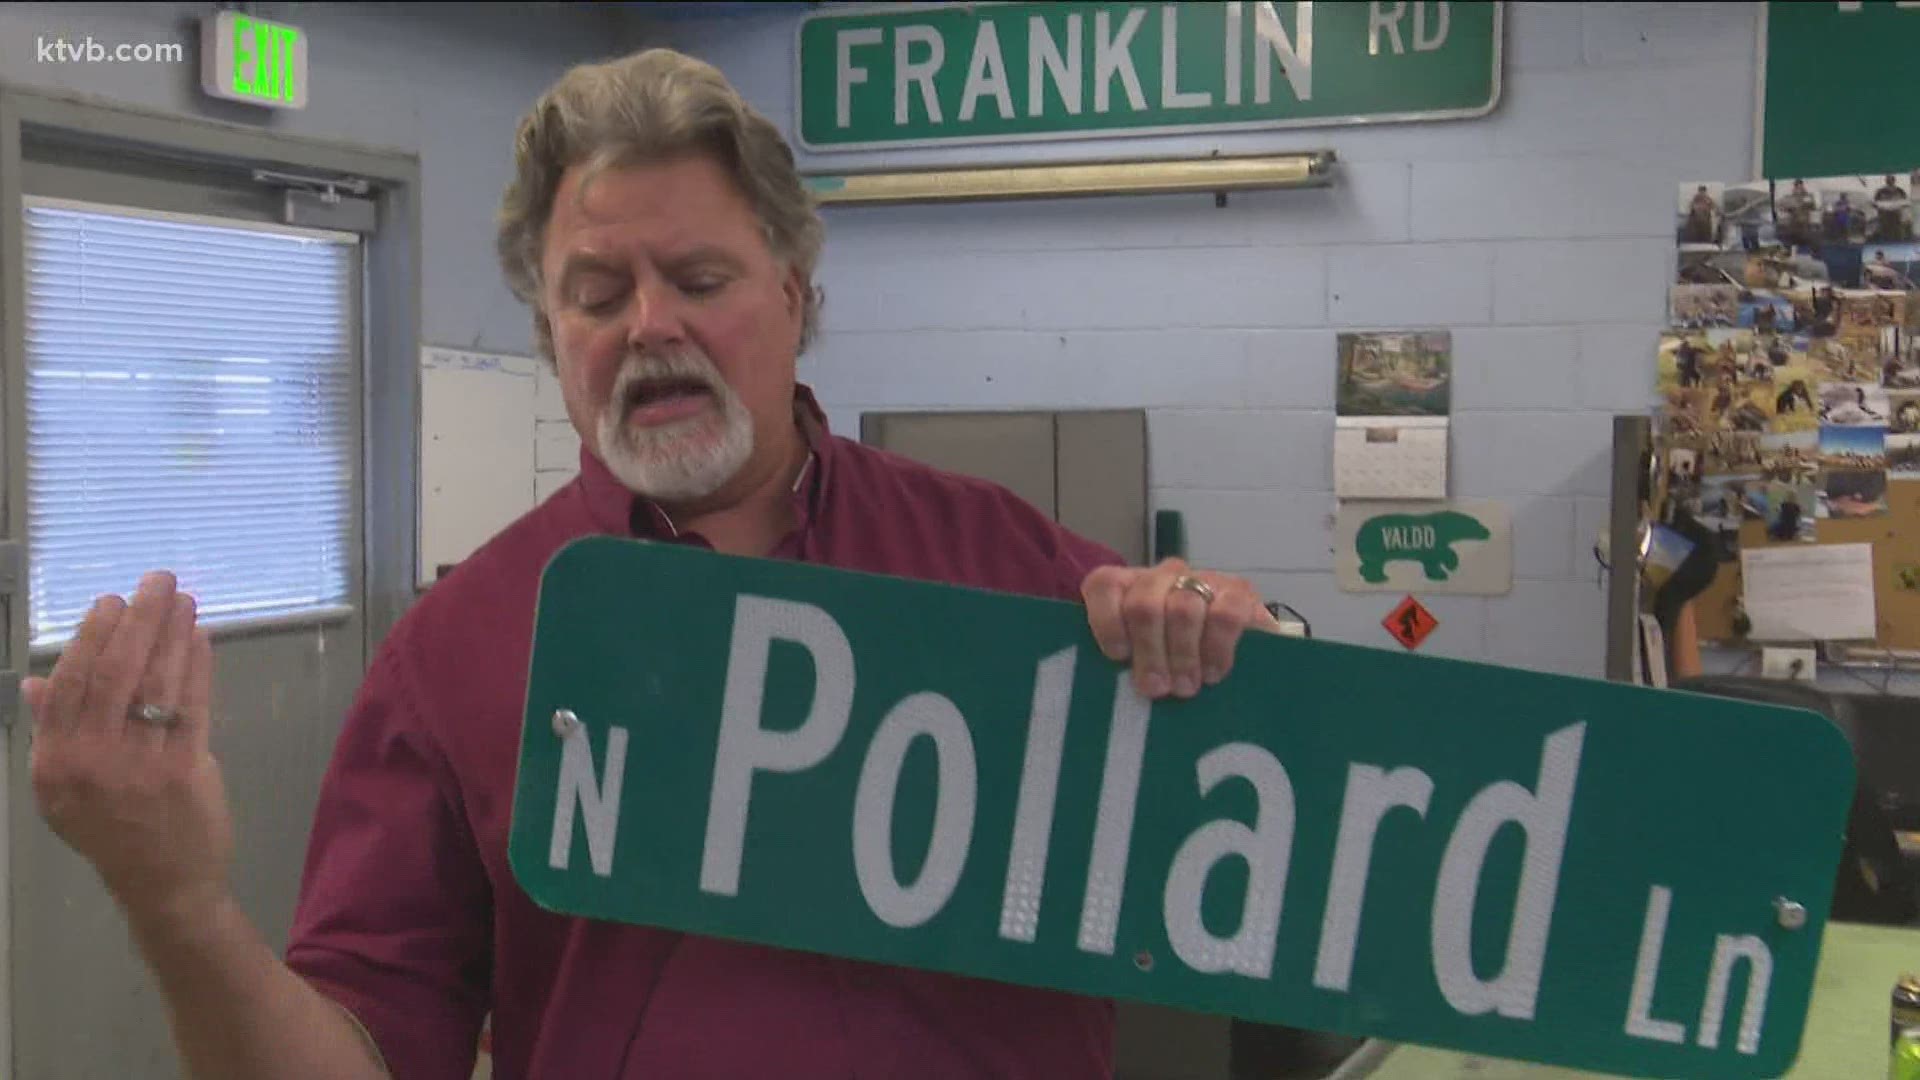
x,y
1390,457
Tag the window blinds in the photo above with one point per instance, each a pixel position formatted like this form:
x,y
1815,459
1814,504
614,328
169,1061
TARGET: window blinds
x,y
191,407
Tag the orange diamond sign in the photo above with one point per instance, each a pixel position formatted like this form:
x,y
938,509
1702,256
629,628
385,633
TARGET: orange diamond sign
x,y
1410,623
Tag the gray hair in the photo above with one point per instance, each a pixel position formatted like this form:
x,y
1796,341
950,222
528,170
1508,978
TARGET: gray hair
x,y
651,106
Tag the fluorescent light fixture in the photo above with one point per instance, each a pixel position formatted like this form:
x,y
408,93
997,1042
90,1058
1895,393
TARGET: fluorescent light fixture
x,y
1216,175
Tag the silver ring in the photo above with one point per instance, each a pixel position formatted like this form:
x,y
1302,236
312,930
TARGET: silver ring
x,y
157,715
1194,585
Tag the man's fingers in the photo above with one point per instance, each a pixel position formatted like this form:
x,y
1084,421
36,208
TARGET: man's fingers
x,y
1103,591
33,696
164,682
196,697
118,668
1144,609
1232,611
67,685
1186,620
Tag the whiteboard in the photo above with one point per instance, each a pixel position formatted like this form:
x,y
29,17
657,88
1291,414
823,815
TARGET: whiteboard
x,y
476,450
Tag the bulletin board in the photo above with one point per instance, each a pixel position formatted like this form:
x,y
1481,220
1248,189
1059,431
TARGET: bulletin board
x,y
1789,379
1896,544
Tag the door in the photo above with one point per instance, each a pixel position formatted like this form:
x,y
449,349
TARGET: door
x,y
192,401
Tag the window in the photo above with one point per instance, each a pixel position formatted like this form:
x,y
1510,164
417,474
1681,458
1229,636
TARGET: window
x,y
191,405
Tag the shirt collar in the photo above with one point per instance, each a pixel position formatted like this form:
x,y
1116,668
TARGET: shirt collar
x,y
616,510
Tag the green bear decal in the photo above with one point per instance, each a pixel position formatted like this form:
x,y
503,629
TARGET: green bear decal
x,y
1425,538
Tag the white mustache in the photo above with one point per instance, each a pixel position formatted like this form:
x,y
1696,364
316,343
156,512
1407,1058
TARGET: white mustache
x,y
643,368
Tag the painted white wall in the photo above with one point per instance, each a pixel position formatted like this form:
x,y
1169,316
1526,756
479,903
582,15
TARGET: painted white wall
x,y
1540,235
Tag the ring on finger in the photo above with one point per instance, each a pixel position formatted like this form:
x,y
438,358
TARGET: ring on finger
x,y
157,715
1195,586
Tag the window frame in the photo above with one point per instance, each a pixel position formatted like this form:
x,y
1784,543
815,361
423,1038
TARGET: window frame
x,y
352,304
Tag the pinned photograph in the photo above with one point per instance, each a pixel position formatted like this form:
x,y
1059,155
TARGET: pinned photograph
x,y
1892,220
1726,501
1854,405
1686,360
1782,268
1791,459
1853,448
1683,467
1794,409
1395,374
1735,404
1700,220
1890,266
1874,345
1735,381
1845,210
1766,313
1903,371
1905,407
1903,457
1680,412
1712,266
1790,511
1835,359
1747,210
1853,494
1870,310
1816,310
1702,307
1798,211
1730,452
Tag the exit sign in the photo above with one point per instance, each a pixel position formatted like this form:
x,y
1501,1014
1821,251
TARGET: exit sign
x,y
247,59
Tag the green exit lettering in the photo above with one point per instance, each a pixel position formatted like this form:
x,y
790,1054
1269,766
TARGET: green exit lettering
x,y
263,59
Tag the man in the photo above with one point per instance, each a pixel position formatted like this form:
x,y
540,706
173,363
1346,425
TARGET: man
x,y
658,229
1890,200
1800,206
1687,362
1700,214
1881,274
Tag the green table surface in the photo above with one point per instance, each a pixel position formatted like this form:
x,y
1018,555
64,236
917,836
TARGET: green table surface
x,y
1846,1036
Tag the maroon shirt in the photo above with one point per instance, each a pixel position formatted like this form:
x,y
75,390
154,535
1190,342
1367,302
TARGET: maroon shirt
x,y
410,917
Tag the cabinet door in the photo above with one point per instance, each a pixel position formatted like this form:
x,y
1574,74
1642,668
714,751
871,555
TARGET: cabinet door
x,y
1012,449
1085,469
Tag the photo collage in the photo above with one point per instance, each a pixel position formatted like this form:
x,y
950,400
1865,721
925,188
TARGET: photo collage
x,y
1789,373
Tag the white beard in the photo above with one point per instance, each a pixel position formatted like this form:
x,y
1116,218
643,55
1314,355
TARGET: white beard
x,y
684,460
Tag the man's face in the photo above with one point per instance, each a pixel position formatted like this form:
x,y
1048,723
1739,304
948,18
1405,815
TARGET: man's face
x,y
675,328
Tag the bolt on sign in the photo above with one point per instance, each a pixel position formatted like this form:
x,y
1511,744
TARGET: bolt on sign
x,y
972,73
1510,863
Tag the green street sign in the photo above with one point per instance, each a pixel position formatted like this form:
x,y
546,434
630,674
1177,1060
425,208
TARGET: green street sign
x,y
937,74
1509,863
1825,69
